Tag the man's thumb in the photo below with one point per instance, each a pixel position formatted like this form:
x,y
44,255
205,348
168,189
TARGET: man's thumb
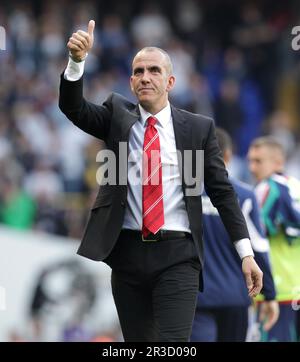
x,y
91,27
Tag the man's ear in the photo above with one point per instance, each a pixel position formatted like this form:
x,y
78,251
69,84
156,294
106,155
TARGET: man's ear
x,y
131,85
171,82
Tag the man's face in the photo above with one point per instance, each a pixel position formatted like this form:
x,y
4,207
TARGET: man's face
x,y
150,80
262,164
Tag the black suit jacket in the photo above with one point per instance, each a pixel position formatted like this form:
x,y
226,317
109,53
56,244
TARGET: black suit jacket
x,y
111,122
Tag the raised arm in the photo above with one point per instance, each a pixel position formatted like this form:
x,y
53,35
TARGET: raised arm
x,y
91,118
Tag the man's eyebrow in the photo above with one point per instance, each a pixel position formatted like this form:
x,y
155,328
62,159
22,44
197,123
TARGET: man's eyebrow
x,y
151,68
138,69
154,68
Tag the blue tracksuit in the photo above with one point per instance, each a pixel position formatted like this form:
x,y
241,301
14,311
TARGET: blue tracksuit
x,y
224,303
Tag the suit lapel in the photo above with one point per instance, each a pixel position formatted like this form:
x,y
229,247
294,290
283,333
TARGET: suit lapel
x,y
183,136
181,130
131,116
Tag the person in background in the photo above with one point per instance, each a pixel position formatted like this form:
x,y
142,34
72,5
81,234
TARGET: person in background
x,y
279,199
222,312
17,207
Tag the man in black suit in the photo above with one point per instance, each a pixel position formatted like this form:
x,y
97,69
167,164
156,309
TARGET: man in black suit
x,y
151,233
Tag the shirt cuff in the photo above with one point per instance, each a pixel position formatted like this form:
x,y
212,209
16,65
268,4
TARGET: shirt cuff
x,y
243,248
74,70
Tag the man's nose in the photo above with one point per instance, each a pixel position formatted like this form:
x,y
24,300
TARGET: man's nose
x,y
145,77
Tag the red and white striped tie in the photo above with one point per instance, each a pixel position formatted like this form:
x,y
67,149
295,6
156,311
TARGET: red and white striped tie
x,y
153,205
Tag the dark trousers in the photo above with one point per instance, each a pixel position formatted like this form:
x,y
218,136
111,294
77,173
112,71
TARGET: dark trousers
x,y
155,287
227,324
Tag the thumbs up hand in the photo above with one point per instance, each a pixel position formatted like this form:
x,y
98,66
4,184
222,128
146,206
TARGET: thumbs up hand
x,y
81,42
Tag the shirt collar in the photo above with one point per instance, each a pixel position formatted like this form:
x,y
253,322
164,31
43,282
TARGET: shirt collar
x,y
163,116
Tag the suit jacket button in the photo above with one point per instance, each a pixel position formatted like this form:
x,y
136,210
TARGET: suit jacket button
x,y
123,203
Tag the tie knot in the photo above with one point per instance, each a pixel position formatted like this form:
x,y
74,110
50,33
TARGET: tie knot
x,y
151,121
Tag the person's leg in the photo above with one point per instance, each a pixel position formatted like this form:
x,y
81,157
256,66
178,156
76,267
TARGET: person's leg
x,y
204,326
134,307
232,324
174,302
155,287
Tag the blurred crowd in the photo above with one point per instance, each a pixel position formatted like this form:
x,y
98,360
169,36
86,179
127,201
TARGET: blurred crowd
x,y
232,61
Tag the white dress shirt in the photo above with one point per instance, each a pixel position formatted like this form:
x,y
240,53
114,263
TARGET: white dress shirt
x,y
175,213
